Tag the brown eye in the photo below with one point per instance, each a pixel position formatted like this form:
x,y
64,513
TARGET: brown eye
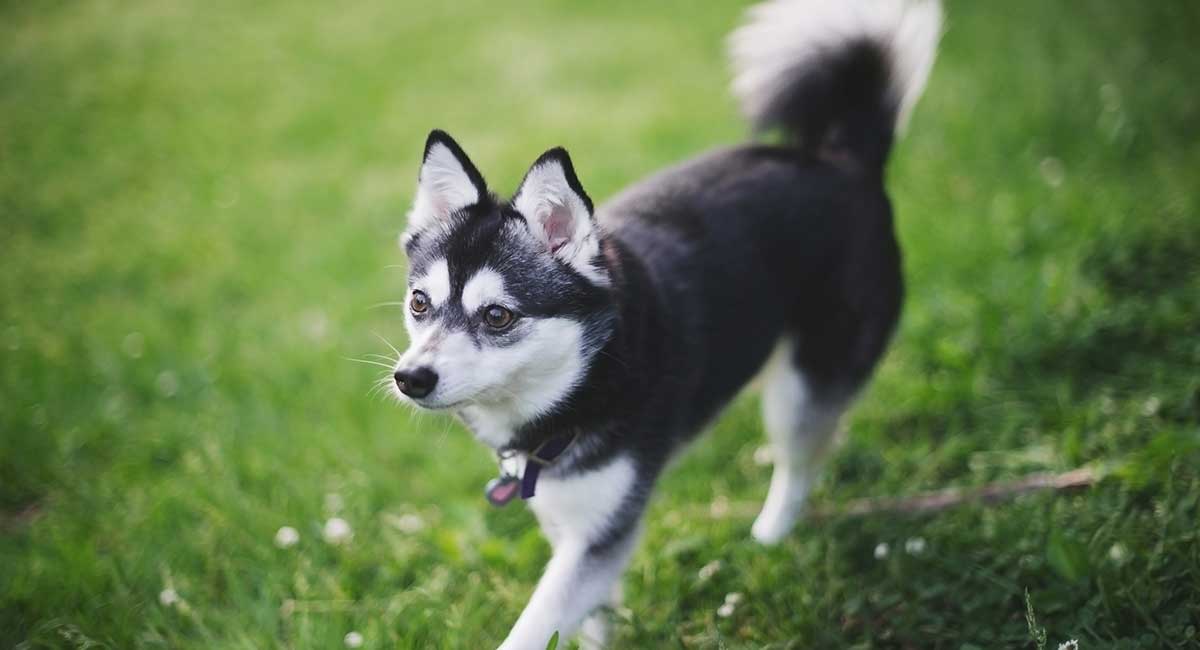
x,y
419,303
497,317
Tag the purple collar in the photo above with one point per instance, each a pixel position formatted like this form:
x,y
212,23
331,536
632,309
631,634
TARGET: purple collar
x,y
503,488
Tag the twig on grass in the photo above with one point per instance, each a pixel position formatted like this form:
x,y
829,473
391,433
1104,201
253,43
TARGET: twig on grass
x,y
938,500
11,521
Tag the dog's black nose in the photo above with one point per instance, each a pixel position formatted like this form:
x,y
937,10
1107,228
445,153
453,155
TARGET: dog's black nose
x,y
417,382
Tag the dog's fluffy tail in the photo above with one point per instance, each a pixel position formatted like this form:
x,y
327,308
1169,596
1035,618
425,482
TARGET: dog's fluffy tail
x,y
840,77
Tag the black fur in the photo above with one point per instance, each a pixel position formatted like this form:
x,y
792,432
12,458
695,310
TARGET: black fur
x,y
841,110
714,260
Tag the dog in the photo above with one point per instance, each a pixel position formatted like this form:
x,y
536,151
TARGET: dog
x,y
587,346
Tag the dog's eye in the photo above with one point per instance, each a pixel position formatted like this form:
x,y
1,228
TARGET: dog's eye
x,y
419,303
497,317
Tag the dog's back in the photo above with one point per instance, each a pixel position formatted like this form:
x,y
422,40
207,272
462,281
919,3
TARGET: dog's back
x,y
759,247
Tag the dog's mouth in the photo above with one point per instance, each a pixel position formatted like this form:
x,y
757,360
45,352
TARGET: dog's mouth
x,y
449,406
430,402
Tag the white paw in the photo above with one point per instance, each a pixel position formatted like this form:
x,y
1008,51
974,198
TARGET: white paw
x,y
593,635
772,526
785,501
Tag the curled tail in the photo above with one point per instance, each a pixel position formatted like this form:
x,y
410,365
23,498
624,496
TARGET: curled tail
x,y
839,77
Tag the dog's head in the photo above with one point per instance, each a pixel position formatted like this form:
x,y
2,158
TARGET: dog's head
x,y
507,300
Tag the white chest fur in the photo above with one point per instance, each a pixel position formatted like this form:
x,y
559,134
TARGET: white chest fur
x,y
580,507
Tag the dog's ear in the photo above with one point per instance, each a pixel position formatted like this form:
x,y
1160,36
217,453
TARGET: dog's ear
x,y
447,183
558,211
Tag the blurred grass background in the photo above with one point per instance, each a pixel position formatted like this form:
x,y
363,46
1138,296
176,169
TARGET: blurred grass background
x,y
199,207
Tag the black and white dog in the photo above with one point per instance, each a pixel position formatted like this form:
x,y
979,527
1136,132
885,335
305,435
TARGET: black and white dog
x,y
586,347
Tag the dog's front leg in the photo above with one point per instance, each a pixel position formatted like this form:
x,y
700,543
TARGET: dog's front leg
x,y
592,522
575,583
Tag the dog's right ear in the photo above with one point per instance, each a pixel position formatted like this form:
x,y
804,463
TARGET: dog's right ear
x,y
447,183
559,213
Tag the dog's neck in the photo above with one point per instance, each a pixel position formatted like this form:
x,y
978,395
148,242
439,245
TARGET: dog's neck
x,y
504,424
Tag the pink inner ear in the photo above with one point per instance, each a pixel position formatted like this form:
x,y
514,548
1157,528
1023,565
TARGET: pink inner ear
x,y
439,206
559,226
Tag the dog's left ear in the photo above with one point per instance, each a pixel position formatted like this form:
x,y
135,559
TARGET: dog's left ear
x,y
448,182
559,212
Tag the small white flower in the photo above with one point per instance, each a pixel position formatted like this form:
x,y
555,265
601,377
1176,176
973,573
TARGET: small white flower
x,y
1151,406
286,537
133,345
1110,97
315,324
731,602
353,640
337,531
1052,171
762,456
1073,644
709,570
167,383
719,508
1117,553
410,523
168,597
881,550
914,545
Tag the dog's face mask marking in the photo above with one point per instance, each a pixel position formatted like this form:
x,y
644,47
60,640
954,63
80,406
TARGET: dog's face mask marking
x,y
507,301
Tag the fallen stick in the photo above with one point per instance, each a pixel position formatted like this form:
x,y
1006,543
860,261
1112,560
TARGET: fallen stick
x,y
930,502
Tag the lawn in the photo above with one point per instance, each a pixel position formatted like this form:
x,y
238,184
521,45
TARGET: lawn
x,y
199,205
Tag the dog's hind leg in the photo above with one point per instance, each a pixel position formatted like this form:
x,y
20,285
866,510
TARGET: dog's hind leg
x,y
800,427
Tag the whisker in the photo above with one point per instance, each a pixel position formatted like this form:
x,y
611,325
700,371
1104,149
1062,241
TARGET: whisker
x,y
614,358
380,385
382,382
445,435
392,303
373,363
385,342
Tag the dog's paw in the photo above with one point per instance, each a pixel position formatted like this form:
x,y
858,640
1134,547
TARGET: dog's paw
x,y
783,507
774,523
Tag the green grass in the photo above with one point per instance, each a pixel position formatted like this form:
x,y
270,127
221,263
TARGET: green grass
x,y
199,204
